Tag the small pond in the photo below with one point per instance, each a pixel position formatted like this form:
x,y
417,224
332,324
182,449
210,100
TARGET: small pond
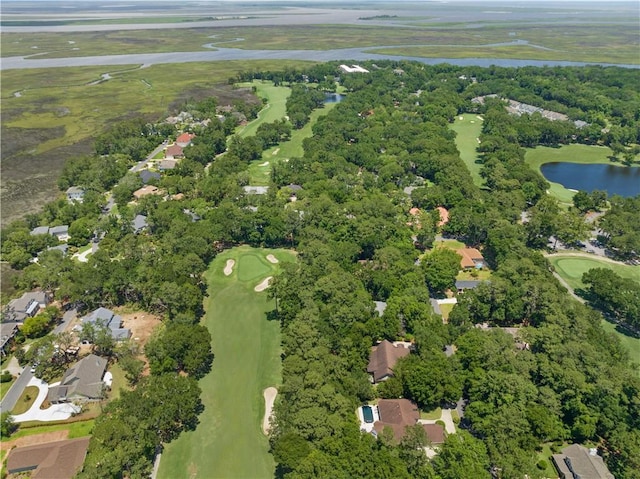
x,y
333,97
615,180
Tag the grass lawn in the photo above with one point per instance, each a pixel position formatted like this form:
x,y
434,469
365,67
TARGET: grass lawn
x,y
571,269
274,110
446,311
4,387
119,382
229,442
481,275
467,132
260,173
536,157
76,429
545,455
26,400
448,243
432,415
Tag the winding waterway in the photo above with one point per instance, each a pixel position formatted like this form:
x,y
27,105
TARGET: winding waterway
x,y
227,54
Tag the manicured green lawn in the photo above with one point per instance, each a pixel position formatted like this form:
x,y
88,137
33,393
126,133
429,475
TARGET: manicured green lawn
x,y
545,455
448,243
274,110
26,400
76,429
260,173
433,415
571,269
536,157
467,133
446,311
229,443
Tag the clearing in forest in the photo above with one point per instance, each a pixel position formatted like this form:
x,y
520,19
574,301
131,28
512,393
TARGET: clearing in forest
x,y
229,441
468,128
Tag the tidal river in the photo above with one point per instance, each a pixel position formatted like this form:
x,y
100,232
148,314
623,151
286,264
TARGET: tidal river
x,y
222,54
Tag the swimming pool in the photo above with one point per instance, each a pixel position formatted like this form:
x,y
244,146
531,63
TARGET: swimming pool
x,y
367,413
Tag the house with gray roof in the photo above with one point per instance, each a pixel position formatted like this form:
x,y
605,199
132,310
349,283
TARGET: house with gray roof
x,y
139,223
7,333
146,176
82,382
60,232
255,190
578,462
107,318
75,193
462,285
25,306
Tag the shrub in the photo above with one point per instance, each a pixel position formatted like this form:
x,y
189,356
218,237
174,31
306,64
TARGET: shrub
x,y
5,377
542,464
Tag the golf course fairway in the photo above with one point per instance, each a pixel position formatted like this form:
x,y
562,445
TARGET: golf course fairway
x,y
229,442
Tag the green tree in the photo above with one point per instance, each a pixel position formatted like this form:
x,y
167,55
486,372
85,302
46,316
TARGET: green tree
x,y
440,268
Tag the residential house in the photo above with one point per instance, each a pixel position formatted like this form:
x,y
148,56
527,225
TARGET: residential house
x,y
185,139
444,216
578,462
146,176
7,333
255,190
173,152
81,382
25,306
139,224
63,248
471,258
106,317
60,232
194,216
462,285
146,190
75,193
435,433
58,459
398,414
380,307
383,358
167,164
353,69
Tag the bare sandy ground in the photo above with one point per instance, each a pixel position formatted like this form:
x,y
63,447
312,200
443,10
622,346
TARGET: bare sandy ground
x,y
41,438
264,285
272,259
269,398
228,269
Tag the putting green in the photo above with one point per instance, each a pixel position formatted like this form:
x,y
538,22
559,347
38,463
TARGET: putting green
x,y
571,268
228,442
253,266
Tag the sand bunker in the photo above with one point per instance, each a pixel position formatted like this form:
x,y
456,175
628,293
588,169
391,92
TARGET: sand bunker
x,y
264,285
276,151
264,164
272,259
269,398
479,118
228,269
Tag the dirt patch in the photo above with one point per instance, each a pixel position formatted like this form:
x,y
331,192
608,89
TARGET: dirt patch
x,y
36,439
263,285
141,325
269,399
272,259
228,268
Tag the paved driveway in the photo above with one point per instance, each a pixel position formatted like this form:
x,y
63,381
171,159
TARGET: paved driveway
x,y
449,426
55,412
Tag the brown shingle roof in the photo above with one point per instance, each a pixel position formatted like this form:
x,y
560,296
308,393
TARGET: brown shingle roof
x,y
435,433
383,358
173,151
469,257
59,459
396,414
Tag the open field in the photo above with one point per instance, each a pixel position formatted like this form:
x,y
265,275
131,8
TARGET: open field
x,y
571,269
229,442
59,111
589,42
536,157
467,132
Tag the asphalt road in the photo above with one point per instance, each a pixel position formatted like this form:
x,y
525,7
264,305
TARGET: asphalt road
x,y
11,398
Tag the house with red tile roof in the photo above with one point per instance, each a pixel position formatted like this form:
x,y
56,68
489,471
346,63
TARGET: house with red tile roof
x,y
470,258
444,216
185,139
